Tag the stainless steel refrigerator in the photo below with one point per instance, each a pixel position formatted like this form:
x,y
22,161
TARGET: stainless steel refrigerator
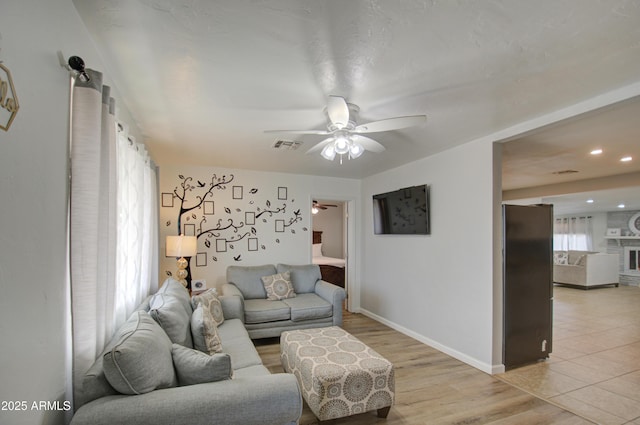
x,y
527,283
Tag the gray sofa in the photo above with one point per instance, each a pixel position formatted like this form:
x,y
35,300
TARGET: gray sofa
x,y
316,303
152,383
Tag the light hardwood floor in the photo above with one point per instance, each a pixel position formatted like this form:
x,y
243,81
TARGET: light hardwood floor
x,y
433,388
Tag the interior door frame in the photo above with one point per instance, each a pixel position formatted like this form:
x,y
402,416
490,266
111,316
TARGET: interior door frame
x,y
349,240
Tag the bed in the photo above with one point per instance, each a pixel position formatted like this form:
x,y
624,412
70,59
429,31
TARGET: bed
x,y
332,269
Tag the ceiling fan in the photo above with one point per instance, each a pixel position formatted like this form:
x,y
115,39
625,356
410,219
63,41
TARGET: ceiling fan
x,y
317,206
346,136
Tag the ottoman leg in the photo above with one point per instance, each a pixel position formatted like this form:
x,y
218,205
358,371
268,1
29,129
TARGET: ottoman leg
x,y
382,413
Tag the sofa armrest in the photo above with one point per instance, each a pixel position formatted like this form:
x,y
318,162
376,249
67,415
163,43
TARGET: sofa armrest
x,y
232,302
602,268
334,295
260,400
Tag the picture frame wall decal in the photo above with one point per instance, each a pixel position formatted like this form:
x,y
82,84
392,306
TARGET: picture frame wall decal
x,y
201,259
282,193
167,200
208,208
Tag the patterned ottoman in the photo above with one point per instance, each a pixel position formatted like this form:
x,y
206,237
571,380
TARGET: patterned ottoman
x,y
338,374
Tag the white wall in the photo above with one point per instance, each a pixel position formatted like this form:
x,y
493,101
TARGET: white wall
x,y
259,192
437,288
33,179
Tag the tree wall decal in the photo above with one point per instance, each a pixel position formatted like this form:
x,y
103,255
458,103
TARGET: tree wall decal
x,y
239,222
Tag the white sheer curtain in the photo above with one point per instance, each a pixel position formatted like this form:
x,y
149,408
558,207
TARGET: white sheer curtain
x,y
103,251
137,226
575,233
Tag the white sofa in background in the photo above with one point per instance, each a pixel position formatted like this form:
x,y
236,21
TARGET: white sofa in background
x,y
585,269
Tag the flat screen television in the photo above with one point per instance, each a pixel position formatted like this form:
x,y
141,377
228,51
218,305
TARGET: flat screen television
x,y
402,212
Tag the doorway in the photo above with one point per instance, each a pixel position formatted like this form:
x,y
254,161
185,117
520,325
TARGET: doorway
x,y
330,245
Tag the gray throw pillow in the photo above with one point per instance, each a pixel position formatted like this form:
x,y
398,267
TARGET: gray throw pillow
x,y
169,312
140,361
195,367
205,331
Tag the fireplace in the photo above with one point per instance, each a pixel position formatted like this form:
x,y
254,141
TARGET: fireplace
x,y
632,259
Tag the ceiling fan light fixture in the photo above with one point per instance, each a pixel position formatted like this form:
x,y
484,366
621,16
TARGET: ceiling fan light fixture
x,y
329,152
355,150
341,145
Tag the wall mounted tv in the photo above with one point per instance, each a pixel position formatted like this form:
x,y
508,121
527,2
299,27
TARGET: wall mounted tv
x,y
402,212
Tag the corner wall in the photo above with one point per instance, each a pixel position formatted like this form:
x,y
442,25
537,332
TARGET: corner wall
x,y
33,183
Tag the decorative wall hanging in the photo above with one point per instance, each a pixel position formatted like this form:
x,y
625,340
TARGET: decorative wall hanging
x,y
242,221
8,98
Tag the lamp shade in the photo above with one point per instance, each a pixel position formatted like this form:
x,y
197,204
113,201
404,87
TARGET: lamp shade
x,y
181,246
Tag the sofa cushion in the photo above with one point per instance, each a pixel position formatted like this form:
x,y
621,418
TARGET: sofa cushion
x,y
247,279
140,360
174,288
205,331
260,311
209,300
278,286
195,367
308,307
303,277
236,343
169,311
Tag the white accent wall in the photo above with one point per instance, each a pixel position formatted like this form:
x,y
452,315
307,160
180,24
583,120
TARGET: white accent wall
x,y
438,288
269,200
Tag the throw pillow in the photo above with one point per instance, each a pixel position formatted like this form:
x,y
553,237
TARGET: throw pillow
x,y
209,300
278,286
581,260
205,331
561,257
140,361
317,250
169,312
195,367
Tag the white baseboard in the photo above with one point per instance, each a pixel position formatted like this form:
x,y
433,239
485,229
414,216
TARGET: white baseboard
x,y
484,367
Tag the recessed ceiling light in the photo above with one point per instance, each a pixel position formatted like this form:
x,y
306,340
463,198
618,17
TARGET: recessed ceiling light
x,y
626,159
596,152
621,206
589,201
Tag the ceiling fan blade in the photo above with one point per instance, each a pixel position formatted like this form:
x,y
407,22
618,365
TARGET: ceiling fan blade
x,y
338,111
320,145
322,132
367,143
390,124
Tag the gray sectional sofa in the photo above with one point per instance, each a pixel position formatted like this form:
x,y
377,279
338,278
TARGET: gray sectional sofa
x,y
149,373
315,304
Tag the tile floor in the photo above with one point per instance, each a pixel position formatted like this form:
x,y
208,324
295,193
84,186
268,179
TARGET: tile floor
x,y
594,368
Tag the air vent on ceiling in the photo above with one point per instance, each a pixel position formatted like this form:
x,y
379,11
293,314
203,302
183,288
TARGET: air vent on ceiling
x,y
290,145
565,172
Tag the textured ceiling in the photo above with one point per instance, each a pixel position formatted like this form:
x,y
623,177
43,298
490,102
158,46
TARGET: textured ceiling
x,y
204,79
